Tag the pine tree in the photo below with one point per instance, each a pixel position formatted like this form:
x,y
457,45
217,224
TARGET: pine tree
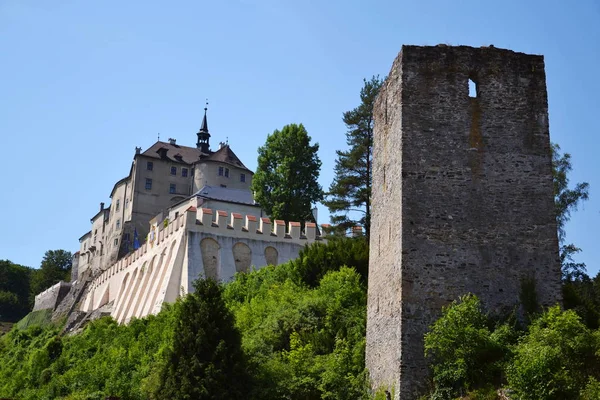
x,y
567,200
350,191
206,361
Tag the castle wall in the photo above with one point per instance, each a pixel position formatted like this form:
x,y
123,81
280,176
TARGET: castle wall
x,y
198,243
51,297
116,222
470,181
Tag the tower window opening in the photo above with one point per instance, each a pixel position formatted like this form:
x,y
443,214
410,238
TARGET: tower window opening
x,y
472,88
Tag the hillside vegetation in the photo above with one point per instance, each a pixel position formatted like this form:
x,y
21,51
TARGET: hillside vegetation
x,y
301,336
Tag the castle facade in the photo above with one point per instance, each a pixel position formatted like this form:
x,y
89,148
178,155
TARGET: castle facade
x,y
182,213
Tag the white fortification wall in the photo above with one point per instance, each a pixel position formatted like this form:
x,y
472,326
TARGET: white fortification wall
x,y
199,243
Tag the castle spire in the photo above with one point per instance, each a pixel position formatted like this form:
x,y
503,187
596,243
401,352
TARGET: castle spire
x,y
203,135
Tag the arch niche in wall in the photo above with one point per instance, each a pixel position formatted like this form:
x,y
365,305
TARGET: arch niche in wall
x,y
210,257
242,256
271,255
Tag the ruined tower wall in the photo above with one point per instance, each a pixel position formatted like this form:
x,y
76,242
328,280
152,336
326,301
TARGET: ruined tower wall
x,y
469,179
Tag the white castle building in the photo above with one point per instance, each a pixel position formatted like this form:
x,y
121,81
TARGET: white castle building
x,y
182,213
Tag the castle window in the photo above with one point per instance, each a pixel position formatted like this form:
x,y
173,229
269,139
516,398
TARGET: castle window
x,y
172,188
118,224
226,172
84,246
118,204
472,88
116,242
148,184
149,165
221,169
242,177
126,203
184,172
173,170
126,237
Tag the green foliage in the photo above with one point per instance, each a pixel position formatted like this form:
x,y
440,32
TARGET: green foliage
x,y
583,296
556,359
105,359
14,291
591,390
350,191
463,351
35,318
206,361
303,342
316,260
302,327
55,267
285,183
566,200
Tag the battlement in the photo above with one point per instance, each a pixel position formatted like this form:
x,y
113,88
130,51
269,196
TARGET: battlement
x,y
249,226
219,223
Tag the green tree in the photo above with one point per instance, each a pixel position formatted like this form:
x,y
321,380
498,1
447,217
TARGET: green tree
x,y
350,192
556,359
464,353
206,361
15,283
566,200
285,183
55,267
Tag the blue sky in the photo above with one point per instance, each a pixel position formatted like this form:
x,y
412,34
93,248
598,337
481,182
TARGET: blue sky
x,y
83,83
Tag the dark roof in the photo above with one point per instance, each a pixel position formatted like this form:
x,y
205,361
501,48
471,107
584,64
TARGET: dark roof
x,y
186,155
84,235
192,155
227,195
104,210
204,126
226,155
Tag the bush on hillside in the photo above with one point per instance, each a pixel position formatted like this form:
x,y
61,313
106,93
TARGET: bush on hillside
x,y
464,353
316,260
556,359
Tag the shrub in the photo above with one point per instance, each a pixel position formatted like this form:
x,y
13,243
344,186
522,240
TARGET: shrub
x,y
463,353
555,359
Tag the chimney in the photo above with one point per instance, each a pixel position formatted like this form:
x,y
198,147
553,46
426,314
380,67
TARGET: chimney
x,y
172,141
101,206
138,150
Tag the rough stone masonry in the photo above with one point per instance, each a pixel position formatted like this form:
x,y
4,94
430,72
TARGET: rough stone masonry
x,y
462,198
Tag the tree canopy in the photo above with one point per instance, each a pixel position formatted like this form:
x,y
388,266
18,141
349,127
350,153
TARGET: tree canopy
x,y
566,200
285,183
206,361
55,267
350,192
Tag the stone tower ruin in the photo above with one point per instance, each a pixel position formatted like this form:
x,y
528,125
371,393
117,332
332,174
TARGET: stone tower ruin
x,y
462,198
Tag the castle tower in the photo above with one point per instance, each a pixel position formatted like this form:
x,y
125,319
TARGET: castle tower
x,y
462,198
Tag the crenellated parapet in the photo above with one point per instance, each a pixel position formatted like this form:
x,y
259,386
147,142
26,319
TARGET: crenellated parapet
x,y
250,226
199,242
